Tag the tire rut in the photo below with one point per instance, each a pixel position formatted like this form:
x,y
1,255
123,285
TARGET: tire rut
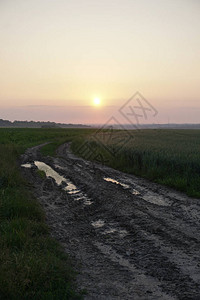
x,y
127,246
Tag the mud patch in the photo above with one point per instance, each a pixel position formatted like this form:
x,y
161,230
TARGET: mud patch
x,y
121,233
128,243
70,188
109,228
139,276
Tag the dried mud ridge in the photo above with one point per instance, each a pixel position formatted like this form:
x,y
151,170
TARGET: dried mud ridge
x,y
129,238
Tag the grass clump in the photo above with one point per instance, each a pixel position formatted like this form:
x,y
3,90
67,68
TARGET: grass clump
x,y
41,174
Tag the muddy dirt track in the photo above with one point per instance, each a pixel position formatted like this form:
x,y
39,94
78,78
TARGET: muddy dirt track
x,y
129,238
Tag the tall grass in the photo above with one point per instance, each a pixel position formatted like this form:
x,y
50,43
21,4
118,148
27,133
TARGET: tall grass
x,y
170,157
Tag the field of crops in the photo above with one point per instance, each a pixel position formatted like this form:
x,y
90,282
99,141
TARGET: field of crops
x,y
32,265
170,157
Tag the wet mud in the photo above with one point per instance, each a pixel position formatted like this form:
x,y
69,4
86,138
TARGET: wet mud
x,y
128,238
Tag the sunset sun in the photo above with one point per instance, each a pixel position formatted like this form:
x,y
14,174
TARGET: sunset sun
x,y
96,101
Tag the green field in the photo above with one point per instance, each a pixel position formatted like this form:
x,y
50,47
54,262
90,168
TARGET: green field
x,y
169,157
33,265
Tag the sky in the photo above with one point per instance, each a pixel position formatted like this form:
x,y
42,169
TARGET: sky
x,y
56,56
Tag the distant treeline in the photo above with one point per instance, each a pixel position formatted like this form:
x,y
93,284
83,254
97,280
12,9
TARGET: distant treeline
x,y
33,124
158,126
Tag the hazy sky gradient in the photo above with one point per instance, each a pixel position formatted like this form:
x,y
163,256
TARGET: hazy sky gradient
x,y
64,53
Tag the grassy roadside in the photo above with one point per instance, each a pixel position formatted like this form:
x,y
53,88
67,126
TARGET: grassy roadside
x,y
70,136
32,264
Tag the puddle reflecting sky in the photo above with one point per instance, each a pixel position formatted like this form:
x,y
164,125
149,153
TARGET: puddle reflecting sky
x,y
26,166
147,195
50,172
98,224
70,188
125,186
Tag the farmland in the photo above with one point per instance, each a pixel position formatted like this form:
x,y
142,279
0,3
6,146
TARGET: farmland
x,y
32,264
169,157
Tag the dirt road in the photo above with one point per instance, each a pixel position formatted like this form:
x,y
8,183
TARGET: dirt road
x,y
130,238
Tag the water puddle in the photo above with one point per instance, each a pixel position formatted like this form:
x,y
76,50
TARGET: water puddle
x,y
26,166
70,188
50,172
135,192
125,186
98,224
147,195
79,196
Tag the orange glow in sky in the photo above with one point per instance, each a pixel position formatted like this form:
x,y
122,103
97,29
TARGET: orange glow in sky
x,y
60,53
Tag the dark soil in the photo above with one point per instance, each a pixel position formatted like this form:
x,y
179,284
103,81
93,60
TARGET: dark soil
x,y
136,239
